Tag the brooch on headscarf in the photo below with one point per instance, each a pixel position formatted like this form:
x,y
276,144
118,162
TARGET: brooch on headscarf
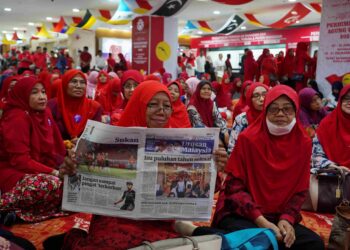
x,y
77,118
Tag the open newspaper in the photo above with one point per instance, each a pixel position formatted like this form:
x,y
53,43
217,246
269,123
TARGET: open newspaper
x,y
143,173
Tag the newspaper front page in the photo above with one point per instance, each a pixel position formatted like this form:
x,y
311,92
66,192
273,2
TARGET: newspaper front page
x,y
143,173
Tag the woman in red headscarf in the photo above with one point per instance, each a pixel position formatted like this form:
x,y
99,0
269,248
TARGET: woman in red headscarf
x,y
122,65
269,71
331,145
102,87
268,175
302,59
7,86
113,99
179,117
250,67
203,112
288,68
265,54
71,109
255,101
242,103
31,150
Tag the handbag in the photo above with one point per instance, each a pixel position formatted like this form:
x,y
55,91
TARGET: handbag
x,y
250,239
205,242
340,233
328,188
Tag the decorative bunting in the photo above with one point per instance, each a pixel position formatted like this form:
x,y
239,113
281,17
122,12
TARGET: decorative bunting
x,y
298,12
171,7
317,7
233,2
43,32
15,37
231,25
87,21
60,27
198,25
139,6
123,15
103,15
6,41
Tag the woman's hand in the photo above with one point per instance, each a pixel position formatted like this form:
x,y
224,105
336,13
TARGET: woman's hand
x,y
220,158
262,222
341,168
288,232
69,165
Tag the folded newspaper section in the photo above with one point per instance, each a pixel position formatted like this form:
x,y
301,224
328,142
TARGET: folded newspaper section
x,y
143,173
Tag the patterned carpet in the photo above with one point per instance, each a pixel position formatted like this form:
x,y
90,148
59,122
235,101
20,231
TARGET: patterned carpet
x,y
38,232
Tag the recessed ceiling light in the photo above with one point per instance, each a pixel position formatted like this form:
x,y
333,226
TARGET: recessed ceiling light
x,y
292,0
15,28
7,9
49,18
216,12
294,12
243,28
31,24
75,10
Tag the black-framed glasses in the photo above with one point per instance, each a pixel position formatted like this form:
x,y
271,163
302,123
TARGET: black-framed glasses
x,y
154,107
75,82
287,110
259,95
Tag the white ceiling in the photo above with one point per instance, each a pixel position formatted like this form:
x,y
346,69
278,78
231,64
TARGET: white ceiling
x,y
36,11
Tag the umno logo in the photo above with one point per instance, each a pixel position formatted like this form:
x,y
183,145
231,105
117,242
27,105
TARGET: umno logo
x,y
291,19
140,25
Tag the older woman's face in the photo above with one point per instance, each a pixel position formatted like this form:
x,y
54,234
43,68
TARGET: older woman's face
x,y
316,103
76,86
158,111
129,88
38,98
174,92
345,103
258,98
281,111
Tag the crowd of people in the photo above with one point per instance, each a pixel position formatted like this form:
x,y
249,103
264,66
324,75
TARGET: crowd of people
x,y
278,125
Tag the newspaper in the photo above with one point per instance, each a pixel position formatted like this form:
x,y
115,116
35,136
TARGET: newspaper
x,y
143,173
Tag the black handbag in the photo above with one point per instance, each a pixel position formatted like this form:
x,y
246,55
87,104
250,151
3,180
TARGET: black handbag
x,y
328,188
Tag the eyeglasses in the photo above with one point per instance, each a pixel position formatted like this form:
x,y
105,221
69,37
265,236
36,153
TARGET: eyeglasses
x,y
287,110
156,108
75,82
130,86
259,95
346,99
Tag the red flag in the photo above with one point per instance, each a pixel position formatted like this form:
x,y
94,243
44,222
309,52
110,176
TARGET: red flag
x,y
15,37
298,12
59,26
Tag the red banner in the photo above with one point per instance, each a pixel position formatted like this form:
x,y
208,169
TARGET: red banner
x,y
298,12
233,2
140,43
287,36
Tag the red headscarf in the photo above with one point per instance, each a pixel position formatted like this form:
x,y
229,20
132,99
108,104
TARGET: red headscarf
x,y
250,67
55,86
222,99
46,143
288,63
334,134
253,113
102,87
130,74
113,99
45,78
179,117
273,168
135,112
204,106
242,103
227,86
5,89
152,77
75,111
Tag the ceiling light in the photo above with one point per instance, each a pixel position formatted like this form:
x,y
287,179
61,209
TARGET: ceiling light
x,y
297,21
49,18
200,32
243,28
216,12
294,12
75,10
4,32
15,28
292,1
7,9
31,24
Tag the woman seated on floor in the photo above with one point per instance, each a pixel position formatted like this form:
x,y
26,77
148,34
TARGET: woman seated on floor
x,y
149,106
332,140
255,102
71,109
268,175
31,151
203,112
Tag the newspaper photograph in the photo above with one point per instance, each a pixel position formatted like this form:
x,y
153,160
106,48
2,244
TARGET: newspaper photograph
x,y
143,173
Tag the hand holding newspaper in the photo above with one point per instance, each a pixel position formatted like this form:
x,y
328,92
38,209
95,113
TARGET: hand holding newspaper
x,y
143,173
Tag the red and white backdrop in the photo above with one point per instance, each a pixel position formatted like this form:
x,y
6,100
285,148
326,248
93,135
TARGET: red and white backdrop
x,y
154,44
334,49
290,37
